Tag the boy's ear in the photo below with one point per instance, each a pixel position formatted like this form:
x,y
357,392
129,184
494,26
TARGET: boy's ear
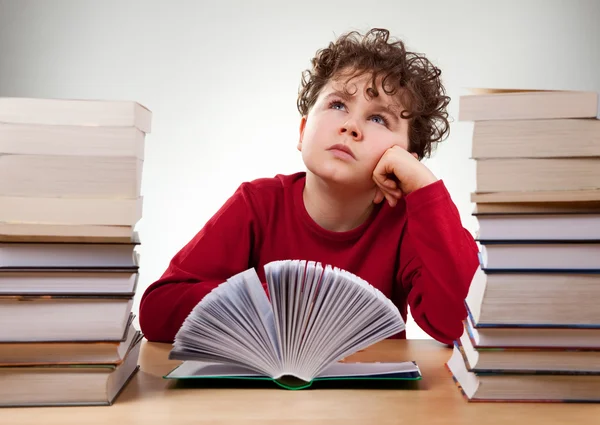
x,y
302,126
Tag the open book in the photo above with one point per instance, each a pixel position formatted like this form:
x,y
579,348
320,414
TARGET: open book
x,y
313,317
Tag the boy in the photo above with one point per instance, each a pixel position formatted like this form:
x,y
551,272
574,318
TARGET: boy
x,y
370,111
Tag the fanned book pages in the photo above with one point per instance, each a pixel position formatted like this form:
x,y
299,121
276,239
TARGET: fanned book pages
x,y
313,317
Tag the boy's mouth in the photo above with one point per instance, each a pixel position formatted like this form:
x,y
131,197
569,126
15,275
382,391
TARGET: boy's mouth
x,y
340,148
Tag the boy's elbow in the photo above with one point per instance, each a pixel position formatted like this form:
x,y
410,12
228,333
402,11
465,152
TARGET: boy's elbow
x,y
152,323
445,332
442,319
154,332
161,310
165,306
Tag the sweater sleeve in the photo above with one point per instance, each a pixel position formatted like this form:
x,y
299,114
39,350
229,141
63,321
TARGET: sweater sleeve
x,y
222,248
438,258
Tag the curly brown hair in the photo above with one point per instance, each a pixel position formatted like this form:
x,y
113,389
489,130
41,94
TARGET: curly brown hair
x,y
410,75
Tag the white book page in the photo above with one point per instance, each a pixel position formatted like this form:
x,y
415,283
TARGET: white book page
x,y
231,324
355,315
366,369
260,301
312,280
349,343
216,337
273,276
341,297
281,294
367,321
192,368
239,314
290,300
245,315
296,277
317,308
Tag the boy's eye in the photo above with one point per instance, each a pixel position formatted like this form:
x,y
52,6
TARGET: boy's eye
x,y
336,104
379,119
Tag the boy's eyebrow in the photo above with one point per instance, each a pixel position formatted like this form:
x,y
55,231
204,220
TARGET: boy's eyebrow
x,y
390,108
337,93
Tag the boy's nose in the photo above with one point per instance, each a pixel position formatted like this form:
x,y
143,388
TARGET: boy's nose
x,y
350,128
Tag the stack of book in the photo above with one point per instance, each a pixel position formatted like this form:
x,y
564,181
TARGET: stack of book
x,y
533,328
70,198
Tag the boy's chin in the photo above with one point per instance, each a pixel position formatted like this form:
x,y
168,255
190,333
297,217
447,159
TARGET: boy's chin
x,y
340,177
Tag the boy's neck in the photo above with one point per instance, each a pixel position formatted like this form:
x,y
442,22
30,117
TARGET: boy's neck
x,y
334,208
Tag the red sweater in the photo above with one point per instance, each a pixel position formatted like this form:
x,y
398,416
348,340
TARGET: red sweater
x,y
417,253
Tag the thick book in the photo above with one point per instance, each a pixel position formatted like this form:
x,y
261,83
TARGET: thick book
x,y
531,386
75,140
537,174
65,255
541,255
38,318
552,138
487,104
537,196
59,281
536,208
313,317
494,335
75,112
47,353
527,359
71,211
566,299
41,232
68,176
68,384
540,226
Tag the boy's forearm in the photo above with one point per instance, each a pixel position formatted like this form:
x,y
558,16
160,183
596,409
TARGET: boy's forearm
x,y
168,302
163,311
438,261
220,250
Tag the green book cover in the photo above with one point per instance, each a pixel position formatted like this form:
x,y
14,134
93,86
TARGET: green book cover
x,y
354,375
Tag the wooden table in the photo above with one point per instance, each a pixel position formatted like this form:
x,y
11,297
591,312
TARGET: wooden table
x,y
149,399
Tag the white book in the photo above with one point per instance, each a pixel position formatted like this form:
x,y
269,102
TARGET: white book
x,y
29,281
537,174
71,211
70,176
511,359
313,317
535,299
32,139
544,138
63,318
498,336
36,232
75,112
69,352
519,387
67,384
512,104
19,255
540,255
539,226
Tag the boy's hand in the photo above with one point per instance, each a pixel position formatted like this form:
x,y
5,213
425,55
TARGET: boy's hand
x,y
399,173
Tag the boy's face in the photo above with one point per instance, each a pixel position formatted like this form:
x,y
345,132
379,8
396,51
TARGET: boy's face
x,y
363,127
